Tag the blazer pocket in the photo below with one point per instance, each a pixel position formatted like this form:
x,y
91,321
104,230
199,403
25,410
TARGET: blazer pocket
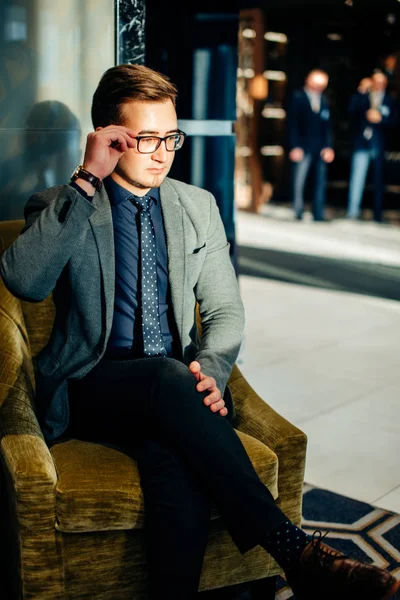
x,y
194,263
198,250
48,365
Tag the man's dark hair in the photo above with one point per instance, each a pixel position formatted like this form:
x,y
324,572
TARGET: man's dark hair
x,y
379,72
126,83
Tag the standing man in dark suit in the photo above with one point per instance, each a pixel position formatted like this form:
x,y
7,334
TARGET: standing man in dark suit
x,y
310,141
371,112
129,254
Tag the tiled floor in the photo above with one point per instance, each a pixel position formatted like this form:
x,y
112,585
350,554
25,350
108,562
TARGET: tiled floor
x,y
329,360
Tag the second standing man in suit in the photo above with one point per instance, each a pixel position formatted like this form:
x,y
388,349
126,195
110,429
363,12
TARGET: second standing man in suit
x,y
310,141
371,112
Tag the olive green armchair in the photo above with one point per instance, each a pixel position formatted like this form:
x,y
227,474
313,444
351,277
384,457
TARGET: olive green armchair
x,y
72,515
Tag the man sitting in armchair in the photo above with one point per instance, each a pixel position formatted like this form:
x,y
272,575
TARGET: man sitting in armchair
x,y
129,254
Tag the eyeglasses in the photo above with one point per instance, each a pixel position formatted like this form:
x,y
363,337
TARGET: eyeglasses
x,y
149,144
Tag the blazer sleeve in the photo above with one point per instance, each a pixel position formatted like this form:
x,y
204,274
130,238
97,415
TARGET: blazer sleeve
x,y
31,266
294,136
389,118
328,139
220,305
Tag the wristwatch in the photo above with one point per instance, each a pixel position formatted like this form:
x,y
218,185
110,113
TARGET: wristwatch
x,y
83,174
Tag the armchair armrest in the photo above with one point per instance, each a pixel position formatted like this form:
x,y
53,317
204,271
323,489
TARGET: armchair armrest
x,y
30,480
30,476
256,418
23,449
25,454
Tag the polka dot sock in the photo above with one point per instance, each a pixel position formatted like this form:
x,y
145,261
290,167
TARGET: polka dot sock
x,y
286,544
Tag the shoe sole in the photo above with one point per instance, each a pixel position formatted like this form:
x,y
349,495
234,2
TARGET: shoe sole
x,y
392,591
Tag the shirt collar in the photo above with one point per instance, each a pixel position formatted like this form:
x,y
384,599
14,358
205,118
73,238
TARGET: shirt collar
x,y
312,93
117,193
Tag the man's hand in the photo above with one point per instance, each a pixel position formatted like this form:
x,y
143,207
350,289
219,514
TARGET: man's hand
x,y
364,87
214,399
296,155
328,155
104,148
374,116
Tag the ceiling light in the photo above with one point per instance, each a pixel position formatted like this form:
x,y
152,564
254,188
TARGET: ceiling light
x,y
335,37
270,112
249,33
243,151
258,87
272,150
272,36
275,75
249,73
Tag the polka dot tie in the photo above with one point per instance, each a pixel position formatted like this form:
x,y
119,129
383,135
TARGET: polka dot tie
x,y
153,343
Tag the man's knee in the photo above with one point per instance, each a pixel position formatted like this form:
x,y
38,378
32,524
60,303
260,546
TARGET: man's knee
x,y
171,370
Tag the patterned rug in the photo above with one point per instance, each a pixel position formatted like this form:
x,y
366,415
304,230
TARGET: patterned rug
x,y
357,529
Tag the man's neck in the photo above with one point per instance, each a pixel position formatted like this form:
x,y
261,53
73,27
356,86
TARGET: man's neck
x,y
310,91
136,191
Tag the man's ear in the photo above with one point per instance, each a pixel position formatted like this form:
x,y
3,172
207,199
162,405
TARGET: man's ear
x,y
99,128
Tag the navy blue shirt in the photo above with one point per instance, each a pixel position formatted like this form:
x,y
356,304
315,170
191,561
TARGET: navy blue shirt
x,y
126,338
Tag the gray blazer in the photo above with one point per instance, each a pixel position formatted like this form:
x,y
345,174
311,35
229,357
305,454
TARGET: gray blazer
x,y
67,248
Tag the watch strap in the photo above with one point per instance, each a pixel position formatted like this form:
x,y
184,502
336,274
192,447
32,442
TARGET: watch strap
x,y
87,176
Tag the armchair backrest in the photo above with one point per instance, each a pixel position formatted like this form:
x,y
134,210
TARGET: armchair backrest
x,y
36,318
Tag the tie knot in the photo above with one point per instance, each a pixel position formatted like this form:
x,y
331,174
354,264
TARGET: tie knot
x,y
143,204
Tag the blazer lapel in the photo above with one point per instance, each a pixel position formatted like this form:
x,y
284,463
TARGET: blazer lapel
x,y
102,227
307,101
174,228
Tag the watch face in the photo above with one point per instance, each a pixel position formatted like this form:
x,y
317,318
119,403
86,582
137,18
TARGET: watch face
x,y
75,172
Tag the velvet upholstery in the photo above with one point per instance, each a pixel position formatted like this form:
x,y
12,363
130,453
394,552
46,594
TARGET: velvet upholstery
x,y
75,510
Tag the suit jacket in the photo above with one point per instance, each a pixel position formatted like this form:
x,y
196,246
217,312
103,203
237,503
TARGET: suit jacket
x,y
307,129
67,248
358,106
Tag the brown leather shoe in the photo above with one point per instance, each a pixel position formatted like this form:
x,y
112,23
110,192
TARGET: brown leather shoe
x,y
323,573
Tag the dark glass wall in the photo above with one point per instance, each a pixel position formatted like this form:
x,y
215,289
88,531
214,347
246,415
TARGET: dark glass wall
x,y
196,46
46,96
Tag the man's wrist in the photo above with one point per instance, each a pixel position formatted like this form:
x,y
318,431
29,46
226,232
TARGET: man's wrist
x,y
86,186
83,174
92,170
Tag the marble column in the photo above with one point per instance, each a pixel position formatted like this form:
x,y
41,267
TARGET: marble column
x,y
130,31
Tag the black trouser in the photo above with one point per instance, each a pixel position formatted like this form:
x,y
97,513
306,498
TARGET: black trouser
x,y
186,455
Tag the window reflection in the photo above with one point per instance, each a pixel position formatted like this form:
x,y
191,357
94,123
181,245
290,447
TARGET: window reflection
x,y
51,59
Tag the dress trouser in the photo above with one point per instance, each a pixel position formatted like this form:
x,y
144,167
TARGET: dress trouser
x,y
301,171
187,456
360,163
